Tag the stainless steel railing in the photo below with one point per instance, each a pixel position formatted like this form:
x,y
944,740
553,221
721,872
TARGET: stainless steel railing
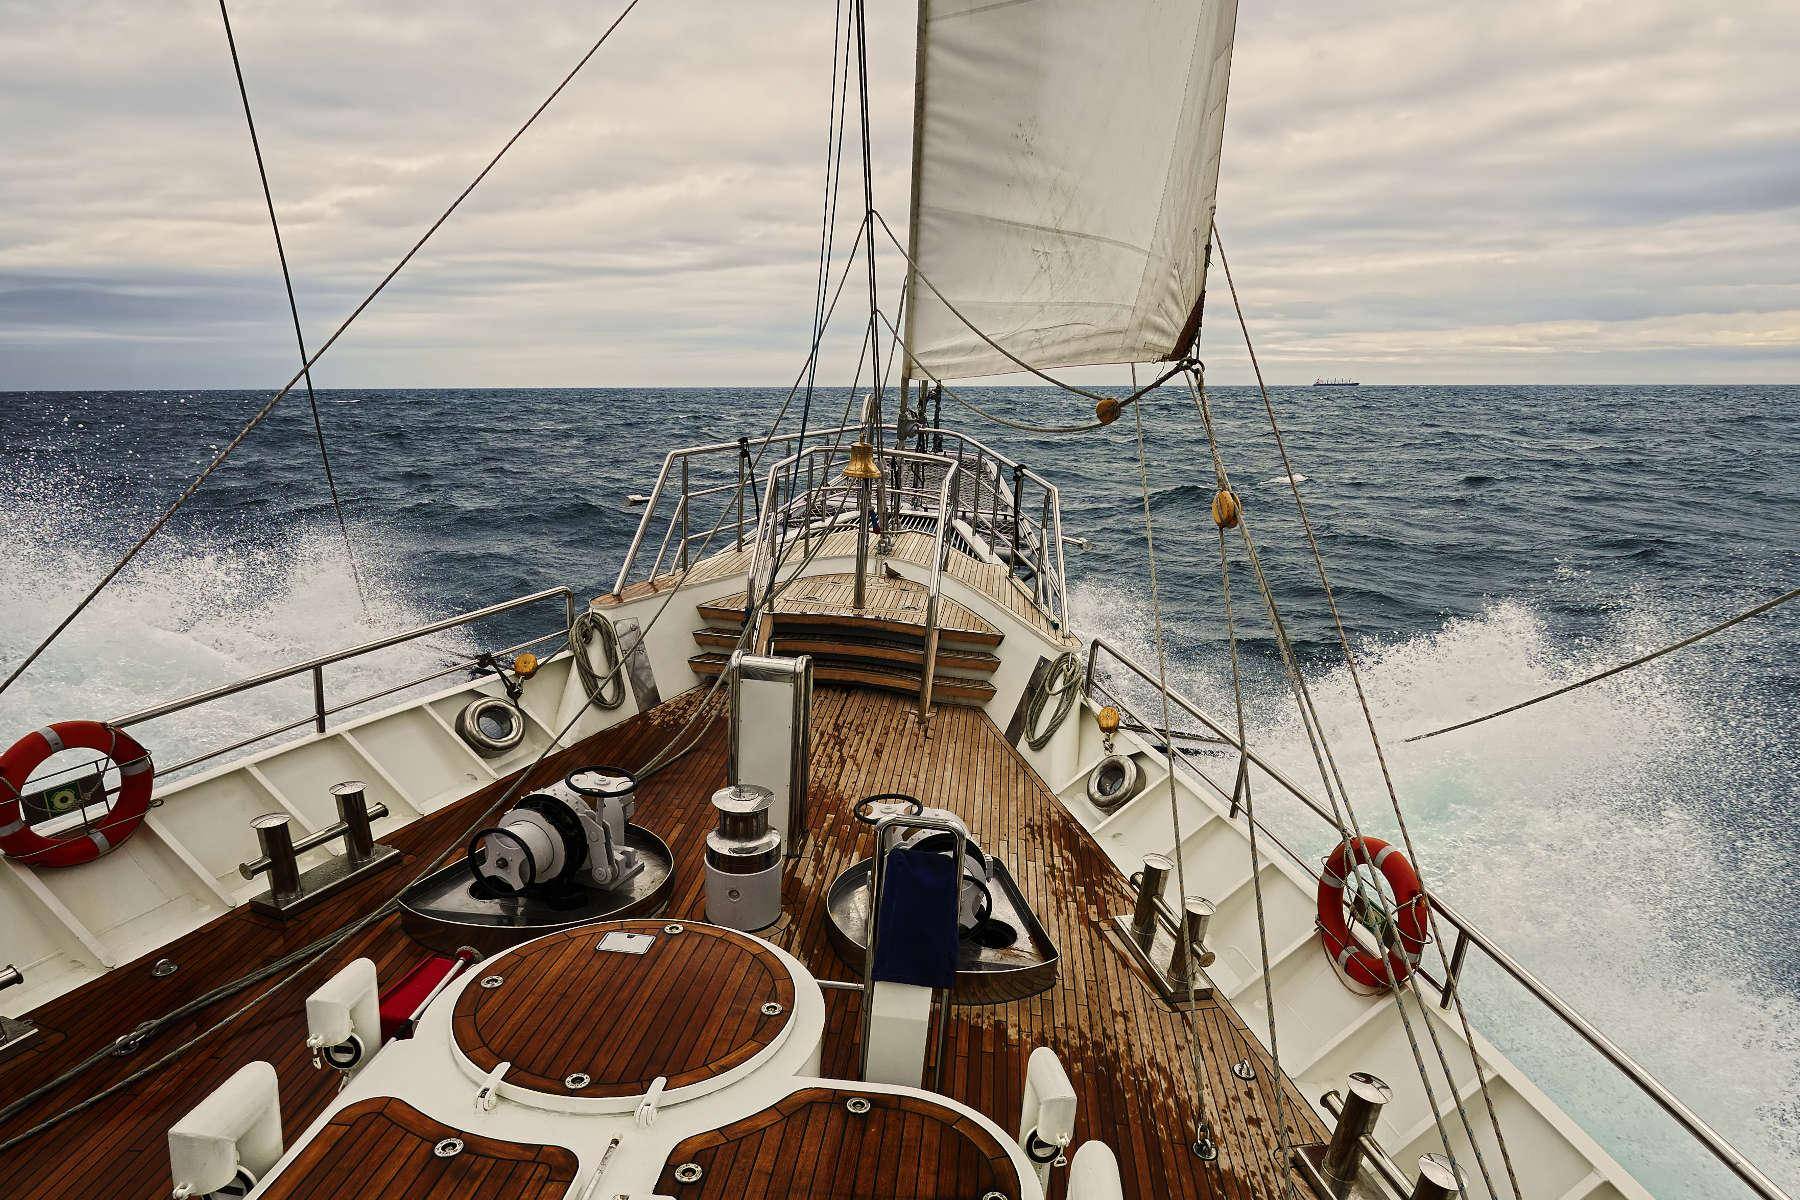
x,y
1467,934
315,667
1005,512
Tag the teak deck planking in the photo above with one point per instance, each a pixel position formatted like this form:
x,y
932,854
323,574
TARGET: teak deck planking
x,y
991,579
698,1010
811,1144
889,605
1125,1050
384,1150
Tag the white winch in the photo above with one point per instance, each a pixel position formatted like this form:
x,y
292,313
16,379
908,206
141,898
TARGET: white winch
x,y
571,832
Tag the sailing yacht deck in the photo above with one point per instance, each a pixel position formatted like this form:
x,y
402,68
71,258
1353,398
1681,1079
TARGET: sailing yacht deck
x,y
1126,1051
992,580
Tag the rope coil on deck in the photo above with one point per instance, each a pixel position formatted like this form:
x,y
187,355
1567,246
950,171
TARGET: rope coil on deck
x,y
587,630
1061,683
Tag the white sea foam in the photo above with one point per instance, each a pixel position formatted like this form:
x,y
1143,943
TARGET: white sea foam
x,y
1284,479
1582,835
184,617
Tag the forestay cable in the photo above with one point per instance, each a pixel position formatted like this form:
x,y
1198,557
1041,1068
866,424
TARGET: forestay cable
x,y
287,280
263,412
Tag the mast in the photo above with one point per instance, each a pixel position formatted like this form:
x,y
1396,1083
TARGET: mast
x,y
912,207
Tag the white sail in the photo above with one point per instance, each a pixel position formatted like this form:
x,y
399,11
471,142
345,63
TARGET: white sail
x,y
1066,154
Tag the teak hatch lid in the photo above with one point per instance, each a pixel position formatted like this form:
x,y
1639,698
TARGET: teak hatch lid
x,y
384,1148
600,1011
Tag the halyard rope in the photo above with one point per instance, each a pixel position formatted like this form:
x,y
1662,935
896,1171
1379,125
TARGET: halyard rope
x,y
1381,759
1202,1127
1241,793
1328,774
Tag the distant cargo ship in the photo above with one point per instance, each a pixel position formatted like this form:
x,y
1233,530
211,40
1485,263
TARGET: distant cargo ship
x,y
1336,383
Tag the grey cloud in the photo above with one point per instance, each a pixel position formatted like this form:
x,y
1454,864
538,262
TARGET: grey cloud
x,y
1411,191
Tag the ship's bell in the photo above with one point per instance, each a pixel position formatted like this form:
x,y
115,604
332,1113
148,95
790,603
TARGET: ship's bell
x,y
862,462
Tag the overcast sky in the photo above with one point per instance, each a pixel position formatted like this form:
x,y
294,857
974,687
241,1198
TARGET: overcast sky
x,y
1412,191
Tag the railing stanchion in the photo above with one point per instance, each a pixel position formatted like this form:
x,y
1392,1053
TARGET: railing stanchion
x,y
1696,1126
1459,950
743,466
1018,485
682,557
318,680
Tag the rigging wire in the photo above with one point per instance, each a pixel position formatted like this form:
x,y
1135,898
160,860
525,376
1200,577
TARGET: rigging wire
x,y
308,956
1760,609
287,280
1135,395
857,8
1328,774
1202,1128
837,109
1362,700
1097,397
1242,793
269,406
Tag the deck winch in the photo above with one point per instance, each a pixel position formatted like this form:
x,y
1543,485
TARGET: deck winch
x,y
743,860
975,898
572,832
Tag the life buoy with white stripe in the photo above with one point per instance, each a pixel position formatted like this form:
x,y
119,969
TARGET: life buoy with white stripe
x,y
1411,914
136,776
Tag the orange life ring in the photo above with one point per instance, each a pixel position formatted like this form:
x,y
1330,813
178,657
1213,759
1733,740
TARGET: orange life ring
x,y
1411,914
136,775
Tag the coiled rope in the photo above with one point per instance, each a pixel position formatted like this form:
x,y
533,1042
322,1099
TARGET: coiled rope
x,y
1061,683
589,628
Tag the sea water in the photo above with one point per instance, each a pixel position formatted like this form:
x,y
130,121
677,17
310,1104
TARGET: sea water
x,y
1634,844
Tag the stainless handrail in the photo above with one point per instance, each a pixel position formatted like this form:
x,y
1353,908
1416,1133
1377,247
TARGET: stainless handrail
x,y
946,492
1696,1126
686,452
1050,570
316,666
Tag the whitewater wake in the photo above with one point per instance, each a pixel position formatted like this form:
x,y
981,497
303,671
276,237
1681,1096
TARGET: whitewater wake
x,y
195,610
1583,835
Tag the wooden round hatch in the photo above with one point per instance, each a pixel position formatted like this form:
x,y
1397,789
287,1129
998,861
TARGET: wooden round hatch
x,y
600,1011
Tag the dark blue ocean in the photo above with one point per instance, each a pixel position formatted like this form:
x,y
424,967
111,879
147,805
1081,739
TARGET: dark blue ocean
x,y
1635,844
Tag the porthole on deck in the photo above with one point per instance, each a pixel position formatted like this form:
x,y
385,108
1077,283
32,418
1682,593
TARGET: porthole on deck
x,y
600,1028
